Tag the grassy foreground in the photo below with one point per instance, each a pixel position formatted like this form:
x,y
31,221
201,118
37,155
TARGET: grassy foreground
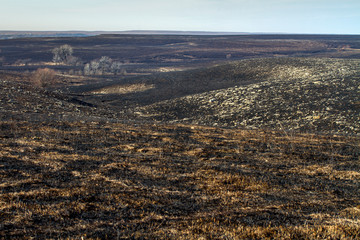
x,y
78,180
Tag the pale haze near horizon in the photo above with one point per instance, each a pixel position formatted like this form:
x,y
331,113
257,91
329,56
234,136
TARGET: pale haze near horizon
x,y
267,16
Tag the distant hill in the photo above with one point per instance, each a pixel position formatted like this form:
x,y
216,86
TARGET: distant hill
x,y
29,34
32,34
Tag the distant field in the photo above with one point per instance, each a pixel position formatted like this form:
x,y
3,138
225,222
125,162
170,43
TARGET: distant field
x,y
179,50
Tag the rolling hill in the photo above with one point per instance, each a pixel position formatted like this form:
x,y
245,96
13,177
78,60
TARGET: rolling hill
x,y
302,94
69,171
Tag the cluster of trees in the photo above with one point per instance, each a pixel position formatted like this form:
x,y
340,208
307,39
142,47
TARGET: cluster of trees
x,y
45,77
103,65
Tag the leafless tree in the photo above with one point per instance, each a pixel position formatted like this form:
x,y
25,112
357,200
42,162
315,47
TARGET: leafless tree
x,y
62,54
104,65
117,68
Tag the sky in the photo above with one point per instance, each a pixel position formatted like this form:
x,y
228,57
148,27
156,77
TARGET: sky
x,y
255,16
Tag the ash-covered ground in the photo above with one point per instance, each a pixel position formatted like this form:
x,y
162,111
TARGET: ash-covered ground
x,y
321,95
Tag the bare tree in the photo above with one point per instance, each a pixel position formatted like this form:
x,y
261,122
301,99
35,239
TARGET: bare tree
x,y
62,54
117,68
75,61
104,65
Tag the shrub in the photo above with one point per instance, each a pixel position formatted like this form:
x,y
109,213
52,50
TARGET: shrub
x,y
44,77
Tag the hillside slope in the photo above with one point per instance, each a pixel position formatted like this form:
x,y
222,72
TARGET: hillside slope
x,y
289,94
22,102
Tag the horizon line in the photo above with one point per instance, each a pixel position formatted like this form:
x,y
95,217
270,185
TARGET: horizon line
x,y
169,32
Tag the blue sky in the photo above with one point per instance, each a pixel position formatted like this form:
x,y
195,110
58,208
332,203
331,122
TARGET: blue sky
x,y
279,16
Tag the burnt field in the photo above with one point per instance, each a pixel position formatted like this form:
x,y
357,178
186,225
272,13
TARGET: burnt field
x,y
107,181
177,50
202,137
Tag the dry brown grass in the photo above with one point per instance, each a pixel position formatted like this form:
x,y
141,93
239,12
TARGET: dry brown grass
x,y
117,181
124,89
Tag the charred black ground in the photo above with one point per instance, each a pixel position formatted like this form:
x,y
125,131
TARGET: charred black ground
x,y
203,137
